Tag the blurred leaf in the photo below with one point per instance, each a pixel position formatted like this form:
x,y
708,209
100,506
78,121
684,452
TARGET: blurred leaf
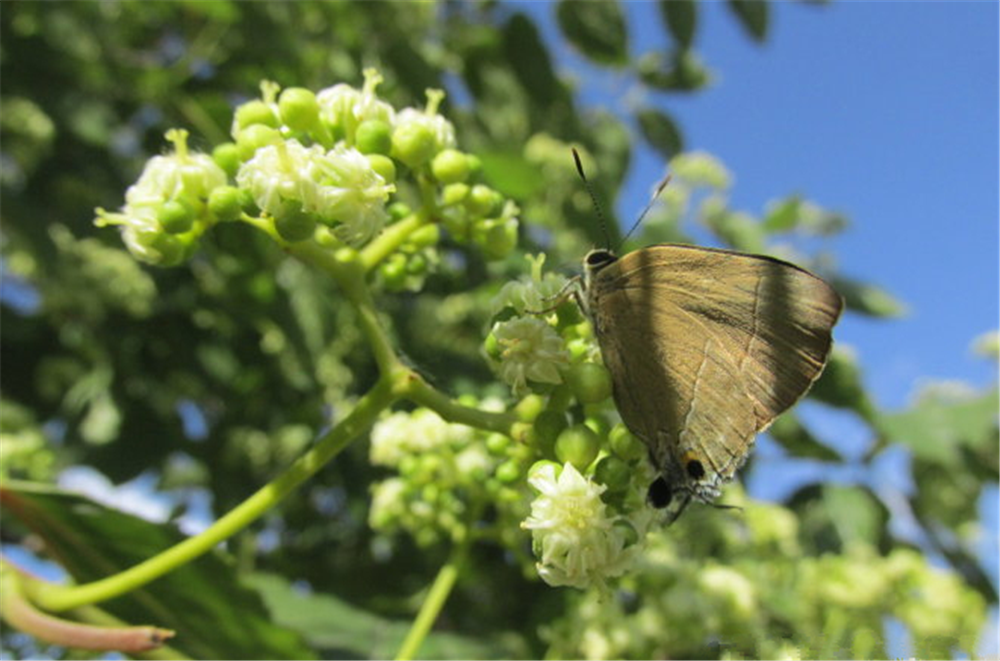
x,y
856,514
342,630
597,28
681,17
528,57
673,71
511,174
939,426
789,431
867,299
214,616
841,385
783,215
753,16
660,132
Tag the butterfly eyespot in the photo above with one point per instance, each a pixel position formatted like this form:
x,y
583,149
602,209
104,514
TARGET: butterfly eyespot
x,y
598,258
694,469
660,493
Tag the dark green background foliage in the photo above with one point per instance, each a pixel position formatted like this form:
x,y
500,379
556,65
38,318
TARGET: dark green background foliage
x,y
263,346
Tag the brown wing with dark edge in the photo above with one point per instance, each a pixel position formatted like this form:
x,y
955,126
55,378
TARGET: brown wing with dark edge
x,y
706,347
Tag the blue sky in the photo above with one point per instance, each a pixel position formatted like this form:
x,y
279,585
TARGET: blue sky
x,y
886,112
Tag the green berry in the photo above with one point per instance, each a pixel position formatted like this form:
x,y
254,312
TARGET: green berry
x,y
255,113
613,472
625,444
299,108
383,166
578,445
454,194
413,144
546,429
509,472
497,444
227,157
590,382
225,203
373,136
295,225
175,217
450,167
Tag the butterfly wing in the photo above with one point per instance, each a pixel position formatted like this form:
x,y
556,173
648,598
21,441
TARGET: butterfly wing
x,y
706,347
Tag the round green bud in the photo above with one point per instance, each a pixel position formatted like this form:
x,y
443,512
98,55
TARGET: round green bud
x,y
499,240
413,144
484,202
175,217
256,113
227,157
171,248
497,444
492,347
383,166
398,211
373,136
590,382
509,472
578,445
416,265
454,194
225,203
450,166
457,222
394,272
253,138
299,108
530,407
475,165
546,429
625,444
295,225
596,420
542,463
425,237
613,472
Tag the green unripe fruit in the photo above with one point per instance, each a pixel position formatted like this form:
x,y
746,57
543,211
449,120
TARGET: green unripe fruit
x,y
450,166
484,202
613,472
254,137
373,136
299,108
383,166
508,472
256,113
425,237
175,217
578,445
225,203
497,444
413,144
295,225
454,194
625,444
227,157
590,382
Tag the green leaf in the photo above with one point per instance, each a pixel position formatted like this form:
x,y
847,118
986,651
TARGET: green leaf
x,y
342,630
841,385
783,215
856,514
529,59
214,616
753,16
673,71
681,17
789,431
941,425
511,174
596,28
660,132
868,299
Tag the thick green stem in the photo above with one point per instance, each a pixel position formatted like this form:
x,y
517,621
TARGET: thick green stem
x,y
390,240
431,608
61,597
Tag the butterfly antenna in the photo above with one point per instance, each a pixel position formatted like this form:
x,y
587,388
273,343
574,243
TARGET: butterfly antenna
x,y
593,198
652,200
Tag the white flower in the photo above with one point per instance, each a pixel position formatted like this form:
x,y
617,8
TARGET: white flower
x,y
429,119
339,186
345,106
422,431
574,536
531,294
529,349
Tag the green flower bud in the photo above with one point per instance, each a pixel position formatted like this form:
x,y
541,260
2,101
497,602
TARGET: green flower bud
x,y
475,165
590,382
254,137
578,445
373,136
484,202
398,211
255,113
454,194
450,166
497,444
295,225
225,203
413,144
175,217
499,239
492,346
383,166
425,237
625,444
394,272
509,472
227,157
613,472
299,109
